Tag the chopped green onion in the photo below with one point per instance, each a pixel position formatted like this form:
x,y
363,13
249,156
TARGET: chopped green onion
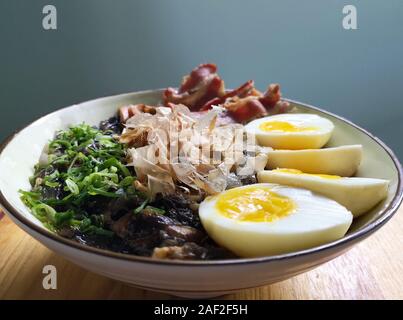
x,y
156,210
44,212
72,186
141,207
86,169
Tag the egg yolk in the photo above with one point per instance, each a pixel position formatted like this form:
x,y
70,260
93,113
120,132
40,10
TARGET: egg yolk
x,y
254,204
295,171
283,126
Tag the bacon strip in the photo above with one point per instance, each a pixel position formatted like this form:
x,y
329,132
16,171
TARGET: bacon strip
x,y
246,109
271,96
246,103
191,81
247,89
126,112
213,102
280,107
199,87
203,88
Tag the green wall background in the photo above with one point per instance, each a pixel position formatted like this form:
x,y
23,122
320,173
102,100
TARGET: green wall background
x,y
106,47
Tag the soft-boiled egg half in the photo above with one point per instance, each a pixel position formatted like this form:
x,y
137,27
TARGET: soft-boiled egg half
x,y
358,195
268,219
341,161
293,131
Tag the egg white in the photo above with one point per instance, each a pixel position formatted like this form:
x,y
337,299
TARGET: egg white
x,y
311,139
357,194
316,220
341,161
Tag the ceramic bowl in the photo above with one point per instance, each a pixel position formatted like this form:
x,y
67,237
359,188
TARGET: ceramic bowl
x,y
194,279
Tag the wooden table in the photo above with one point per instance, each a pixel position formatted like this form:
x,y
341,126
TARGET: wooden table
x,y
371,270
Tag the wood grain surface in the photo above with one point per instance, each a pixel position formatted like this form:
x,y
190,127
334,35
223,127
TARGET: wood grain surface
x,y
371,270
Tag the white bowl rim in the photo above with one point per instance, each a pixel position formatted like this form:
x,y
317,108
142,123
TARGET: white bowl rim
x,y
384,215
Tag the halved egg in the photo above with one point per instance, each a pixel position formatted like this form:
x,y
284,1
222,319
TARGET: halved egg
x,y
292,131
268,219
358,195
342,161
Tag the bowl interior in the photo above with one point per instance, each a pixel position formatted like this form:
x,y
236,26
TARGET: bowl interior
x,y
22,153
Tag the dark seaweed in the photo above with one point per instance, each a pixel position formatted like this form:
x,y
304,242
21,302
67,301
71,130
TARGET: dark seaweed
x,y
111,125
177,207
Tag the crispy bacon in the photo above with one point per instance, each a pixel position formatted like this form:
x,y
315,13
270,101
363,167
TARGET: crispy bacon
x,y
246,109
198,75
203,88
126,112
280,107
271,96
245,90
213,102
199,87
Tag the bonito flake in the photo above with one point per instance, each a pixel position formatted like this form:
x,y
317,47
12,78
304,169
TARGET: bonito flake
x,y
174,149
